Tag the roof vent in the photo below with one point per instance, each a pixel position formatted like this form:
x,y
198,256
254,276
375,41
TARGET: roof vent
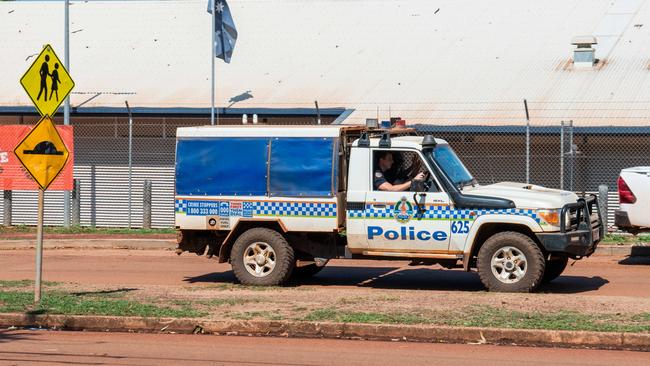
x,y
584,55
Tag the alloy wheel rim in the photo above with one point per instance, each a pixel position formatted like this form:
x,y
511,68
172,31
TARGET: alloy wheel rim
x,y
259,259
509,265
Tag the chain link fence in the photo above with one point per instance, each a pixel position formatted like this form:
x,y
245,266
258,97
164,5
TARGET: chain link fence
x,y
574,158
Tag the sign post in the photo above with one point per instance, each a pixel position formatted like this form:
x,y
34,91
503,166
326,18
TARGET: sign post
x,y
42,151
39,247
43,154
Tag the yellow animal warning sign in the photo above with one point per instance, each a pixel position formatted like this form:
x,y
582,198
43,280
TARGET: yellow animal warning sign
x,y
47,82
43,152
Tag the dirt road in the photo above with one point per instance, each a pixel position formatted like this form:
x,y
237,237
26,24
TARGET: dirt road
x,y
87,348
598,275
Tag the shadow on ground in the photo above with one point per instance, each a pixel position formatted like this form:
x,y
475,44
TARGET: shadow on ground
x,y
105,292
7,335
573,285
635,260
410,279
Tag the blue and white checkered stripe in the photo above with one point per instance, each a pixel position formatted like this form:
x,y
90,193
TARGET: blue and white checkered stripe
x,y
441,213
180,206
275,208
309,209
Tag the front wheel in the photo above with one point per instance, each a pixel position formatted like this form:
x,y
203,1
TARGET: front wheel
x,y
262,257
510,262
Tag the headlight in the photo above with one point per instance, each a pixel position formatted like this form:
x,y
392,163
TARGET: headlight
x,y
552,217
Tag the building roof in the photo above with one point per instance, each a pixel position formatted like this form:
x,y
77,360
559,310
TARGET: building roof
x,y
448,62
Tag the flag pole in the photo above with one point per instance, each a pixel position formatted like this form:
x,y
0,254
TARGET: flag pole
x,y
212,53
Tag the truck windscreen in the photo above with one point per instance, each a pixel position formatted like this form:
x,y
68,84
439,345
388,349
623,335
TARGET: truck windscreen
x,y
448,161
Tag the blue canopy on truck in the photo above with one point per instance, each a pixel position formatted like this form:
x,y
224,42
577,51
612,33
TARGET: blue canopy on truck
x,y
257,166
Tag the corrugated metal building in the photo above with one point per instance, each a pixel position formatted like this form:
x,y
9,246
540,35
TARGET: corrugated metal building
x,y
459,69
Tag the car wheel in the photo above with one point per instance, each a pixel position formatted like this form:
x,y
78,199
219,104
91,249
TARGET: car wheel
x,y
510,262
262,257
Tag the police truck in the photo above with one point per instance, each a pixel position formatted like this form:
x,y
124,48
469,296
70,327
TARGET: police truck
x,y
279,202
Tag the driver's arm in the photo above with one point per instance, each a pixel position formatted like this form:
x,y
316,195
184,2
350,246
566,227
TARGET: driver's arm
x,y
386,186
395,187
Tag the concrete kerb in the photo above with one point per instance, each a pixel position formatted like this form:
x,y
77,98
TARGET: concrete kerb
x,y
299,329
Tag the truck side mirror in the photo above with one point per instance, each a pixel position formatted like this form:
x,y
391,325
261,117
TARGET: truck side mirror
x,y
420,203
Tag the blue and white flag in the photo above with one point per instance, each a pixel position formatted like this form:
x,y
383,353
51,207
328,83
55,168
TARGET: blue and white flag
x,y
224,28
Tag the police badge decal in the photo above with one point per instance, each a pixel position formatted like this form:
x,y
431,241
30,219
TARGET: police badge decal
x,y
403,211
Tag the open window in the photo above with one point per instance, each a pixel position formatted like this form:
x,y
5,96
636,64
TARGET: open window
x,y
400,166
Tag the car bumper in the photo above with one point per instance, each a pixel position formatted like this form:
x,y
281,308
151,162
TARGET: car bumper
x,y
579,243
580,237
621,219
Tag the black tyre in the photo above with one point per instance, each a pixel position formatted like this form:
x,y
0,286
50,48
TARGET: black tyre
x,y
510,262
554,268
304,272
262,257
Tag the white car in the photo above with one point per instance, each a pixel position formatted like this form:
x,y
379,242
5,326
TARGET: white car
x,y
634,197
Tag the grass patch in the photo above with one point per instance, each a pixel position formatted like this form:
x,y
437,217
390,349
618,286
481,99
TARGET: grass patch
x,y
7,284
621,239
70,304
333,315
352,300
249,315
228,302
643,317
493,317
562,320
388,298
616,239
83,230
213,302
238,287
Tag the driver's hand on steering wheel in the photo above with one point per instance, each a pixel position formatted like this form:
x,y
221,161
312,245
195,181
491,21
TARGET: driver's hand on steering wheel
x,y
420,176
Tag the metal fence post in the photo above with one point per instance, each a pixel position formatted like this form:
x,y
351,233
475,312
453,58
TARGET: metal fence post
x,y
527,142
146,205
128,109
603,196
562,155
93,196
76,203
7,209
572,156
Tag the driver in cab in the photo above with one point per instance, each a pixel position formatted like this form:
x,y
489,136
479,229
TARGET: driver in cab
x,y
381,182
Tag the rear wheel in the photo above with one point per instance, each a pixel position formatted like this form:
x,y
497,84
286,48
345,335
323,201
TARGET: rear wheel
x,y
510,262
262,257
554,268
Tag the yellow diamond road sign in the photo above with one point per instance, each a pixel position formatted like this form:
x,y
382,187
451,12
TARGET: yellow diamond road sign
x,y
47,82
43,152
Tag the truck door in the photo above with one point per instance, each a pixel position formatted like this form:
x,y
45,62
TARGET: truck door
x,y
405,221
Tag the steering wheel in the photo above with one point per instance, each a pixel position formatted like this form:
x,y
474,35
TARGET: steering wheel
x,y
423,185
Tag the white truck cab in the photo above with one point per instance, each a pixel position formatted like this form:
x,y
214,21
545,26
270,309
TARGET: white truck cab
x,y
279,202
